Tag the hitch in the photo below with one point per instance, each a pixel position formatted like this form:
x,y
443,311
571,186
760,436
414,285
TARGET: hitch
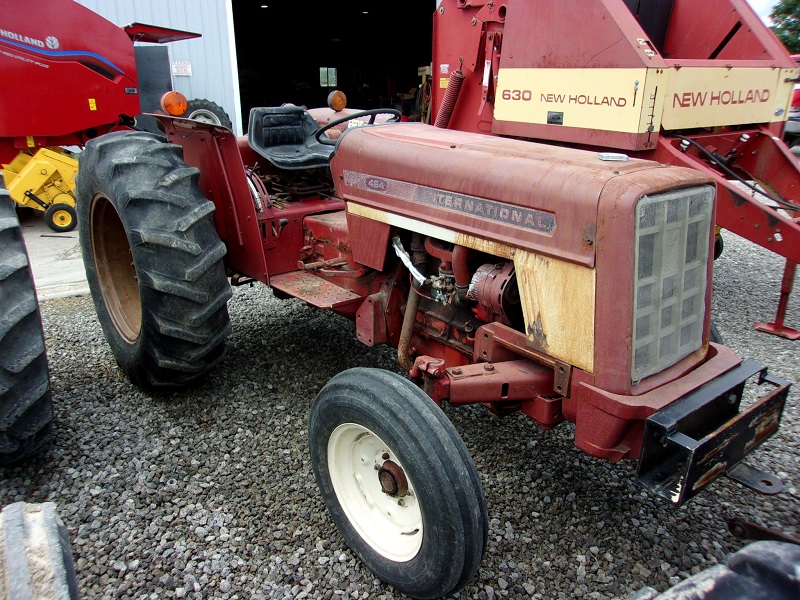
x,y
694,440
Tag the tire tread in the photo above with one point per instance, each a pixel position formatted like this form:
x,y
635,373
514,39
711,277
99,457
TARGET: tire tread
x,y
176,251
25,396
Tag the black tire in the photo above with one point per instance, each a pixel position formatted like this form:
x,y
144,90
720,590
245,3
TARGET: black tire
x,y
153,259
61,217
402,437
719,246
26,408
762,570
207,111
36,554
715,335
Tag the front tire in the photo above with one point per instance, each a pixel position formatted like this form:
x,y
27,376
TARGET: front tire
x,y
153,259
26,407
398,482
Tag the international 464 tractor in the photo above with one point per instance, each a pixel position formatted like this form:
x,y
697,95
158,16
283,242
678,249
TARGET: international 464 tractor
x,y
567,284
526,277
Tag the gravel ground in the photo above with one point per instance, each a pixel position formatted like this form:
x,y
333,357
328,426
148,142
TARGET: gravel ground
x,y
209,493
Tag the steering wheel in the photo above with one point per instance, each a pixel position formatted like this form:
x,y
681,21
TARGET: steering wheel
x,y
371,113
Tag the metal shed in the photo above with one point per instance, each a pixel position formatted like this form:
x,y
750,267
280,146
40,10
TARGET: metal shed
x,y
204,67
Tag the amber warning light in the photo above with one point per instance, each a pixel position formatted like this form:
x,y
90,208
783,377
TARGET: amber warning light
x,y
174,103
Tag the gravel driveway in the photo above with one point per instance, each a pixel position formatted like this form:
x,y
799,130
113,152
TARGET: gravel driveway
x,y
209,493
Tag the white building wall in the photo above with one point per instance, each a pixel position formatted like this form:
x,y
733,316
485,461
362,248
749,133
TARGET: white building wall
x,y
215,74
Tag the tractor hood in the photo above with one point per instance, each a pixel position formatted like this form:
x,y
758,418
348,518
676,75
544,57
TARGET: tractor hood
x,y
528,195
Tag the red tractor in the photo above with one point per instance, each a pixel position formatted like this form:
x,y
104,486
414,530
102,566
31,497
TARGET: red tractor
x,y
566,284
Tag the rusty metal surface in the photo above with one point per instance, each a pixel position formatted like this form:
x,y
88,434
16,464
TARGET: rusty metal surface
x,y
751,531
314,290
502,382
756,479
695,440
532,196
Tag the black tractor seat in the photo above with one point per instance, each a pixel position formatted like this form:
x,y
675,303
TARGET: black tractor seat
x,y
284,135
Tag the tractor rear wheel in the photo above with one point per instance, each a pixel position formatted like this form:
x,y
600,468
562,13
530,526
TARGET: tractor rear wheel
x,y
153,259
207,111
398,482
26,408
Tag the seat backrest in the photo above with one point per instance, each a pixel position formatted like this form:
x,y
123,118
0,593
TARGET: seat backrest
x,y
284,135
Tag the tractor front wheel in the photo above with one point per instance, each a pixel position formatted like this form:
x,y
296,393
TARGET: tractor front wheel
x,y
398,482
153,259
36,553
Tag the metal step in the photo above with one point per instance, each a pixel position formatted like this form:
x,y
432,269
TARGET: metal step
x,y
314,289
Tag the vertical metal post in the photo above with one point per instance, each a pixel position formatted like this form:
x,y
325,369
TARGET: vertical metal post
x,y
777,327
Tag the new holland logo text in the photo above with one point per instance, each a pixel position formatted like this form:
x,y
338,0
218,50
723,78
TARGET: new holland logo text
x,y
719,98
24,39
588,99
528,218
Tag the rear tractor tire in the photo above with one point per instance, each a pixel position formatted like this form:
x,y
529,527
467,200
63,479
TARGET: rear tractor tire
x,y
26,407
207,111
153,259
398,482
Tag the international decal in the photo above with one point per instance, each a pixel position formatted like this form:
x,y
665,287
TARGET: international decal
x,y
472,206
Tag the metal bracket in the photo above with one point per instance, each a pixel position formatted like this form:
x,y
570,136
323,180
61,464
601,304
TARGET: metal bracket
x,y
750,531
755,479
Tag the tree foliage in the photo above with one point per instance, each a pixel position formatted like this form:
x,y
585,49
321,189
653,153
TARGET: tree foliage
x,y
786,24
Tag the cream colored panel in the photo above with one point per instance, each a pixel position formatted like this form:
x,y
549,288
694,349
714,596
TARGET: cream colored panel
x,y
557,296
625,100
434,231
558,303
714,96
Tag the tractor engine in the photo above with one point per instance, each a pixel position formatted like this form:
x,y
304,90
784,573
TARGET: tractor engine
x,y
462,291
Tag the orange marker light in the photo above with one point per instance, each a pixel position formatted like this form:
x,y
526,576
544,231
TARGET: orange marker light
x,y
337,100
174,103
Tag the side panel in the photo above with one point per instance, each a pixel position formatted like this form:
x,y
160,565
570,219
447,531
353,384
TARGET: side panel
x,y
64,80
369,241
214,151
558,303
716,96
606,101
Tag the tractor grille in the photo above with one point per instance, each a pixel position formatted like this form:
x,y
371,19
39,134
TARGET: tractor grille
x,y
672,235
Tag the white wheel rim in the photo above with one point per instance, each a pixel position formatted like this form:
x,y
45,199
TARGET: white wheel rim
x,y
392,526
205,116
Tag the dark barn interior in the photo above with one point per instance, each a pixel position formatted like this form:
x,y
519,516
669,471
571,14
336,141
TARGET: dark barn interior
x,y
375,47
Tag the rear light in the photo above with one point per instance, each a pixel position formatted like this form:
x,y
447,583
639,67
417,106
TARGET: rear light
x,y
795,101
337,100
671,266
174,103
